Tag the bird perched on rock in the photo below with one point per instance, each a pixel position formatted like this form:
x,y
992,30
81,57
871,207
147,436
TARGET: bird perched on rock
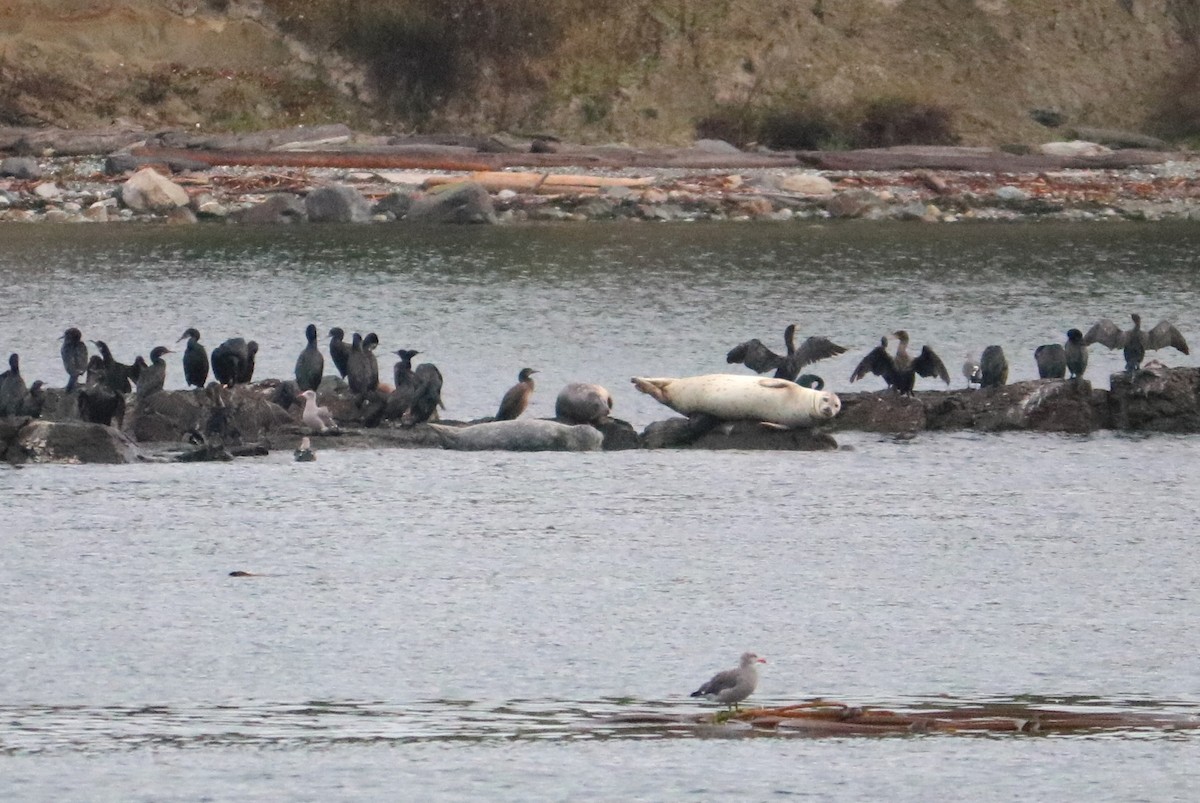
x,y
151,378
339,350
733,685
359,373
97,402
310,365
993,367
1051,359
900,371
12,387
318,419
970,370
427,394
74,354
195,359
760,359
1076,353
402,372
116,375
1135,342
516,398
233,361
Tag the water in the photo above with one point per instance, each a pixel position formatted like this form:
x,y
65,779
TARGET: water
x,y
456,625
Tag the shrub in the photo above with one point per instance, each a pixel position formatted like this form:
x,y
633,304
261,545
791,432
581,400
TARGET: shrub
x,y
897,121
799,127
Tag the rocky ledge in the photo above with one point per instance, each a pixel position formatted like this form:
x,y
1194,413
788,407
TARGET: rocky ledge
x,y
255,419
332,174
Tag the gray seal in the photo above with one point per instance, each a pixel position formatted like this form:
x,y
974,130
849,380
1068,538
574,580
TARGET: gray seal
x,y
522,435
583,403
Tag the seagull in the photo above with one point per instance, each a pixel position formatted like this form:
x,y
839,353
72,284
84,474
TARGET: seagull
x,y
318,419
733,685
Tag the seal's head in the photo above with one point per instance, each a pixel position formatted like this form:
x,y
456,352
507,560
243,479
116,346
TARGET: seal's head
x,y
828,405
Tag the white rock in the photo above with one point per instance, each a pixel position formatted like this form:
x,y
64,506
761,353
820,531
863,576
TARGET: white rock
x,y
47,190
506,194
1076,147
805,184
97,212
147,191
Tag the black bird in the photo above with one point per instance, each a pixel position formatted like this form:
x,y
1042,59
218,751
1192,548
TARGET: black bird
x,y
74,356
1051,359
372,362
810,381
757,357
900,371
115,374
516,398
233,361
97,402
339,351
310,365
993,367
358,368
427,396
153,376
402,372
195,360
1077,353
1135,342
34,400
12,388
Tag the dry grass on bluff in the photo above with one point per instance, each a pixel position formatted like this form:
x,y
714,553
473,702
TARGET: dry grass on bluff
x,y
791,73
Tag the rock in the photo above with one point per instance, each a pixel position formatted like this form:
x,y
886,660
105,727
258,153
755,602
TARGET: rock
x,y
885,411
1074,148
703,432
1156,399
97,212
47,191
22,167
70,442
282,207
1115,138
465,202
618,435
808,184
717,146
207,207
147,191
181,216
933,181
337,204
853,204
117,163
1011,193
654,196
395,204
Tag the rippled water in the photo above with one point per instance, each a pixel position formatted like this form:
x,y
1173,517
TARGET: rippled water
x,y
450,625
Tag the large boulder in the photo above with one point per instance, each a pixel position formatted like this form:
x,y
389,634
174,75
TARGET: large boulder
x,y
704,432
22,167
337,204
282,207
464,202
1156,399
70,442
148,191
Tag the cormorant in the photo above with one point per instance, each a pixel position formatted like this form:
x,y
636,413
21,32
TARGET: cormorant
x,y
152,377
427,395
12,388
810,381
993,368
900,371
339,351
516,399
1051,359
402,372
232,361
246,374
115,374
757,357
1135,342
310,365
74,356
1077,353
34,400
195,360
98,402
371,361
358,368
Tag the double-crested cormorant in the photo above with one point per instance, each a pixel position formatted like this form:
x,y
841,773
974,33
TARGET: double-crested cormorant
x,y
427,395
35,400
358,367
195,359
1077,353
12,388
310,365
402,372
900,371
318,419
1135,342
733,685
151,378
233,361
114,374
516,399
74,356
339,351
993,367
757,357
98,402
370,360
1051,359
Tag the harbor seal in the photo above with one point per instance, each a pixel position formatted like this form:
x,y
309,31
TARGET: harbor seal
x,y
736,397
582,403
523,435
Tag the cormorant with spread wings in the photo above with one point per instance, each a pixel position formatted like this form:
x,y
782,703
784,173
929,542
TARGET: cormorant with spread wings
x,y
1136,341
757,357
900,370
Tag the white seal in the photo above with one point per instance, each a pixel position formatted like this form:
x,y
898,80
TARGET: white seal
x,y
737,397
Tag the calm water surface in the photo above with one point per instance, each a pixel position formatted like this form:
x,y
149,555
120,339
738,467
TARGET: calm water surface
x,y
452,625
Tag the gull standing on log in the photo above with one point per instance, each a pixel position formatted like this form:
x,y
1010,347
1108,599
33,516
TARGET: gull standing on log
x,y
733,685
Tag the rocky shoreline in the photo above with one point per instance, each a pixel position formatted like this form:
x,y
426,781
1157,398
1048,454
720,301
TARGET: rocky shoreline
x,y
332,174
181,426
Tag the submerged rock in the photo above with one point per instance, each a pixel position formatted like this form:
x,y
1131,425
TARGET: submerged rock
x,y
39,441
465,202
